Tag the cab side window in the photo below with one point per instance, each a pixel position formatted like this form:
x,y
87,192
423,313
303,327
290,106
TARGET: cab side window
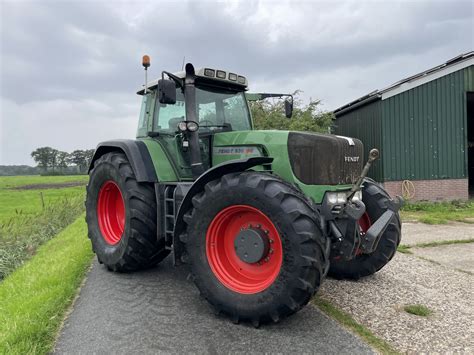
x,y
143,119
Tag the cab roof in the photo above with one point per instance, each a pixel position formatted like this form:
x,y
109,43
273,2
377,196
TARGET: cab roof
x,y
219,77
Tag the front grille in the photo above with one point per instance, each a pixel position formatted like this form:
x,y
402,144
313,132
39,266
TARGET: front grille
x,y
323,159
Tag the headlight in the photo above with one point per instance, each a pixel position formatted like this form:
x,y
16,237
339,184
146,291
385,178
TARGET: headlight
x,y
357,196
192,126
336,198
182,126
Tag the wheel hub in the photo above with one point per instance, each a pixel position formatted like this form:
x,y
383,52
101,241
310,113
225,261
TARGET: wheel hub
x,y
251,245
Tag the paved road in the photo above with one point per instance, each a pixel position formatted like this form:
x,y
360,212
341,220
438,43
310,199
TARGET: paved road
x,y
159,311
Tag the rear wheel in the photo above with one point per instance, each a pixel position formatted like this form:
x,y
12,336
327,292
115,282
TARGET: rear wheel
x,y
376,201
121,216
254,247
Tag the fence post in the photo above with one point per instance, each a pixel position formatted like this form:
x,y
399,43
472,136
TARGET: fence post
x,y
42,199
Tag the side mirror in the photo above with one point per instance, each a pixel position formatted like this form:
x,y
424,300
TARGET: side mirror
x,y
166,91
288,108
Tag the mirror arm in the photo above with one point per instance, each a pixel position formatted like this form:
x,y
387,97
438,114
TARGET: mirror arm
x,y
177,80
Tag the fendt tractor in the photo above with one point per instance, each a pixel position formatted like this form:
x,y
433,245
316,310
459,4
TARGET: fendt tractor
x,y
259,217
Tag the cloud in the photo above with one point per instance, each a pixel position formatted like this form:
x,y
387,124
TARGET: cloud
x,y
74,66
64,124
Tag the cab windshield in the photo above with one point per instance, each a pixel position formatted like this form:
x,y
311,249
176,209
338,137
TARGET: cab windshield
x,y
216,111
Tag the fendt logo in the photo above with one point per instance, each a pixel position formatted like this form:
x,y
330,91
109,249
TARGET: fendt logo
x,y
351,159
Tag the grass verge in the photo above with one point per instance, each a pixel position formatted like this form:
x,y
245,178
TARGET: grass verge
x,y
439,212
403,248
34,298
418,310
347,321
22,235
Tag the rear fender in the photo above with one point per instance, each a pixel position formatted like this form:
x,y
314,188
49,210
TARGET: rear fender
x,y
137,154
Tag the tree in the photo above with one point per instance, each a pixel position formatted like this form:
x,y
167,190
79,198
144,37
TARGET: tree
x,y
53,158
42,156
62,160
89,154
270,114
79,158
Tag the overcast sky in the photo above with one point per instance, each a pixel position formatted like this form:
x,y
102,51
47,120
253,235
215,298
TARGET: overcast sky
x,y
69,70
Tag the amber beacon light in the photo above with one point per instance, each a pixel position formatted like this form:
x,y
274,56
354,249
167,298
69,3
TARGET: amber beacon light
x,y
146,64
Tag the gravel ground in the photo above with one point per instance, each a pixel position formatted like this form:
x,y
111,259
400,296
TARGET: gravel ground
x,y
415,233
377,302
159,311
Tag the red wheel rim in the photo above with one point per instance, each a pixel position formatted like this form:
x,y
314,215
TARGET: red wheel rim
x,y
364,223
111,212
229,269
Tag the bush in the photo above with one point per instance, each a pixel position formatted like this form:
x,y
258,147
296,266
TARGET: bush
x,y
270,114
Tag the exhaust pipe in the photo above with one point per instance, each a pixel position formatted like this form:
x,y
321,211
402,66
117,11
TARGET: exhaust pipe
x,y
190,101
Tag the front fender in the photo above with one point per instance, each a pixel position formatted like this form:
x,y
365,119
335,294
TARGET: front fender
x,y
228,167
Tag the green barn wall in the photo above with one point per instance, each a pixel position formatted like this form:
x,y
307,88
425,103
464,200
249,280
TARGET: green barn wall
x,y
424,130
364,124
421,132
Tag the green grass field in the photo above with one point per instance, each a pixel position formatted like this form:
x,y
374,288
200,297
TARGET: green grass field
x,y
21,195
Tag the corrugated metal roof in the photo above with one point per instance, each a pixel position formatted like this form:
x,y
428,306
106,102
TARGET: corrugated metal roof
x,y
454,64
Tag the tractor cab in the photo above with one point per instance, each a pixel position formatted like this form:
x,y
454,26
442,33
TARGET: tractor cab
x,y
221,105
219,98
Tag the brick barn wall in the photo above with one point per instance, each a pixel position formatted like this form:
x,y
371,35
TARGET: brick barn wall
x,y
433,190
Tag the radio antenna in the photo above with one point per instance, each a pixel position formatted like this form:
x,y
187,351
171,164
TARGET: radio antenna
x,y
182,66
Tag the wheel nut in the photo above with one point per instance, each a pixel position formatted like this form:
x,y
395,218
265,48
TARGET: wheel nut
x,y
267,259
270,240
271,251
266,231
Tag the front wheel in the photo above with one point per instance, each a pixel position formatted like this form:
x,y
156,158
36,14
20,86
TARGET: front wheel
x,y
376,201
254,247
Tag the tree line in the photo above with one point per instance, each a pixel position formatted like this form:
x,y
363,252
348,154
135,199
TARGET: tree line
x,y
56,161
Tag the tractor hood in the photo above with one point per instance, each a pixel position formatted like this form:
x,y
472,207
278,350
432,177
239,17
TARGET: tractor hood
x,y
299,157
323,159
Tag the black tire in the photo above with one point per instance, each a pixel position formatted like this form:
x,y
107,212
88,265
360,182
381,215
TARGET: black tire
x,y
138,247
376,201
305,255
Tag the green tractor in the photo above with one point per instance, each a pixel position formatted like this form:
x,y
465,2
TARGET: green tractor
x,y
259,217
